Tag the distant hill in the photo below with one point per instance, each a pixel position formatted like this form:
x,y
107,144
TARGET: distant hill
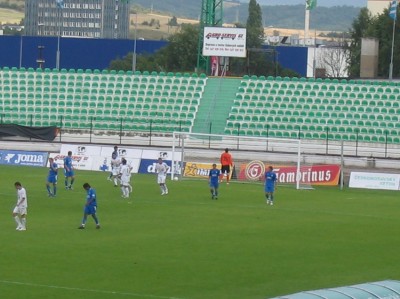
x,y
332,18
320,3
336,18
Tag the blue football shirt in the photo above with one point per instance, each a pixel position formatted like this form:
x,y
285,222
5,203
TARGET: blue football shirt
x,y
270,179
91,197
214,175
68,162
53,170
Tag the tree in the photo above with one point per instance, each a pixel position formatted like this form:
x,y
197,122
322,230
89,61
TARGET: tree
x,y
383,30
180,55
181,52
173,21
257,63
379,27
254,26
334,61
358,31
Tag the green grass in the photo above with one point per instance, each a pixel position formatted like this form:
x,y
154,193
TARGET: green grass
x,y
187,246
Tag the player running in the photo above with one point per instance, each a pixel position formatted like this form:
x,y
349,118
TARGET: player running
x,y
213,181
270,184
162,169
52,178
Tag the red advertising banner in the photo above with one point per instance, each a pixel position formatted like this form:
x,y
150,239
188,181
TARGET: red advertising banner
x,y
327,175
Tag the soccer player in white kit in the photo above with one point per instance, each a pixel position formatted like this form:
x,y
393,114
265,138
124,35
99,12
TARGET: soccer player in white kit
x,y
115,169
161,169
125,176
20,210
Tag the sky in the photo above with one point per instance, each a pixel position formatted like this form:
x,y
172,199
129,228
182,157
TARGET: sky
x,y
328,3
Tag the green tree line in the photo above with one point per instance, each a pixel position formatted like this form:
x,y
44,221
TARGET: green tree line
x,y
381,28
180,55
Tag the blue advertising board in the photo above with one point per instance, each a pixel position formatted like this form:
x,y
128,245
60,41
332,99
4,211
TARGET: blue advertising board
x,y
38,159
148,166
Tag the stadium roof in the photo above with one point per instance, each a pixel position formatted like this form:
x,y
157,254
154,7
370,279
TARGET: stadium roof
x,y
387,289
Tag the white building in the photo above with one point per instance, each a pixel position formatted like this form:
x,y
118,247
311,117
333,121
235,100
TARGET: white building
x,y
377,6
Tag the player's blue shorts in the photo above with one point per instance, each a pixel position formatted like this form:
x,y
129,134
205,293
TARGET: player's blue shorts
x,y
214,184
90,210
52,179
269,189
69,173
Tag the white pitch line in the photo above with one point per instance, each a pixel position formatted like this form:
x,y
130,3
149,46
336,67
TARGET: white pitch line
x,y
86,290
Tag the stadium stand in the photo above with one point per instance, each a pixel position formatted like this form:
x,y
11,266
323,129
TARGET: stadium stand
x,y
349,110
316,109
80,99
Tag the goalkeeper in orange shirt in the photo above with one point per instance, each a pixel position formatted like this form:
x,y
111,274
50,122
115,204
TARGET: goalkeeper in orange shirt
x,y
226,165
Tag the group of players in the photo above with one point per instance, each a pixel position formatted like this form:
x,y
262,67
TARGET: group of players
x,y
215,177
121,174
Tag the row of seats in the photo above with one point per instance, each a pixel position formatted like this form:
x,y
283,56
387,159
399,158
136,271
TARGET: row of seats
x,y
308,87
72,103
339,126
263,100
14,71
106,124
264,105
88,81
274,108
249,92
322,81
314,135
133,103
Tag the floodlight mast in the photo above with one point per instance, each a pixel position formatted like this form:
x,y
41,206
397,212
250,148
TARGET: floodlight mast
x,y
211,16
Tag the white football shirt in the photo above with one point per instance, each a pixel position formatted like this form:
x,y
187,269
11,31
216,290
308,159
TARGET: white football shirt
x,y
21,194
162,168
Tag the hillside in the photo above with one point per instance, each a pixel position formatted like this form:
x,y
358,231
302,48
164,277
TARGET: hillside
x,y
336,18
320,3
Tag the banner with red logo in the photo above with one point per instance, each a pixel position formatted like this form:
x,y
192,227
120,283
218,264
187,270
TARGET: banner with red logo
x,y
314,174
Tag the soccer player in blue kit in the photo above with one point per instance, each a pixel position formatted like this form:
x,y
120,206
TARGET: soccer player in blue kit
x,y
270,182
69,171
90,206
213,180
52,178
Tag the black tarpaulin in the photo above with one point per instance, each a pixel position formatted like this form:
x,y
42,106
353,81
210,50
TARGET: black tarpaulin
x,y
42,133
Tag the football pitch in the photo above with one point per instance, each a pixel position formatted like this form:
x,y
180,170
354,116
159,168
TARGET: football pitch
x,y
187,246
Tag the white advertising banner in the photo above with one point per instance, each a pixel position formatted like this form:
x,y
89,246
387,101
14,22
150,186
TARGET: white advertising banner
x,y
165,155
367,180
80,149
227,42
83,162
123,152
98,158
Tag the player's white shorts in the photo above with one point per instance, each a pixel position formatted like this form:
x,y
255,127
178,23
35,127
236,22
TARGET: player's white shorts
x,y
161,179
20,210
125,181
